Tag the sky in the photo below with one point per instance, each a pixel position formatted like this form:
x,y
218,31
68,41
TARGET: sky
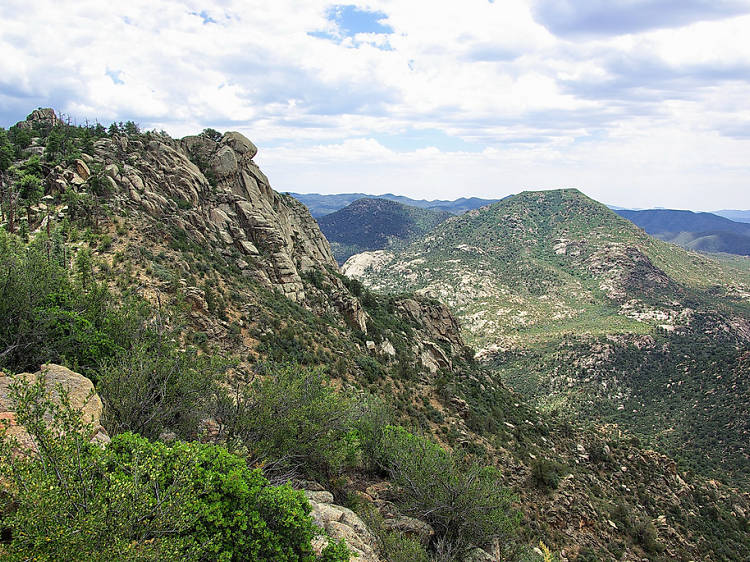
x,y
638,103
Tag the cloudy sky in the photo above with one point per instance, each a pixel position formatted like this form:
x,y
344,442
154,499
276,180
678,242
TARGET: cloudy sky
x,y
638,103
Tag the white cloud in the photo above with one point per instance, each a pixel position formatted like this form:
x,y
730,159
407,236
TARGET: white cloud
x,y
654,116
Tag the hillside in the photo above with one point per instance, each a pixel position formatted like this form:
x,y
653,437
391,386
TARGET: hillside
x,y
374,224
704,232
576,306
321,205
208,312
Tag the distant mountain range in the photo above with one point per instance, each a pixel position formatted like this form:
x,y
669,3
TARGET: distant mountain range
x,y
706,232
373,224
735,215
321,205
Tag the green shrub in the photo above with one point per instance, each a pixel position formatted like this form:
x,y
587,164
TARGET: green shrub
x,y
289,420
463,501
46,315
140,500
152,387
546,474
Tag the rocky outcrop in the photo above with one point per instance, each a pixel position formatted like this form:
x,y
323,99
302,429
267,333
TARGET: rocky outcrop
x,y
212,190
438,332
43,116
342,523
357,265
625,271
80,391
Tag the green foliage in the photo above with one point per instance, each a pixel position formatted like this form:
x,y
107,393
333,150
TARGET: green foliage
x,y
546,474
141,500
463,501
152,387
45,315
640,529
7,152
20,137
394,545
212,134
30,189
289,420
373,224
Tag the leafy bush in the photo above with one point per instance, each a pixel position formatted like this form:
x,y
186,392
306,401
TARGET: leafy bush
x,y
153,386
546,474
45,315
464,502
289,420
140,500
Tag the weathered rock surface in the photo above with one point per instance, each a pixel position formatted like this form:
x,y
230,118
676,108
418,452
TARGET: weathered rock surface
x,y
43,116
437,327
236,209
342,523
81,394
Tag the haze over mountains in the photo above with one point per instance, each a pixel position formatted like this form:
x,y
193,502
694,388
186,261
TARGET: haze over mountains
x,y
705,232
321,205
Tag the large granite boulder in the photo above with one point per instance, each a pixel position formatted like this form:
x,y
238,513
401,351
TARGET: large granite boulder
x,y
80,391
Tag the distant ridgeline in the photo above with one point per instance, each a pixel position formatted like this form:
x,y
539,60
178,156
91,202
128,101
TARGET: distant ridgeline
x,y
705,232
374,224
321,205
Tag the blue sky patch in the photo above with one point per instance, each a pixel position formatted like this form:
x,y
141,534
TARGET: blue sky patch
x,y
204,16
350,20
115,76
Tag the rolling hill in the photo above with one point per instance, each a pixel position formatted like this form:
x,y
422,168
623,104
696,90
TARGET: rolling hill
x,y
374,224
734,214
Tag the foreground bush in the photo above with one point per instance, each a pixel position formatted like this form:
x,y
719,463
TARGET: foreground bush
x,y
463,501
140,500
154,387
290,421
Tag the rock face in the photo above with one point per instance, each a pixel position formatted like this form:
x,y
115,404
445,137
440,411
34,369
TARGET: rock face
x,y
437,329
44,116
214,191
80,392
342,523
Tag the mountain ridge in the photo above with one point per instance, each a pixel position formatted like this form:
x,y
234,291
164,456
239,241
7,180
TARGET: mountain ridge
x,y
373,224
695,231
190,233
321,205
543,272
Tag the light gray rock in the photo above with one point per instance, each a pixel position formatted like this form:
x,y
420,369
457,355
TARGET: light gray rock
x,y
240,144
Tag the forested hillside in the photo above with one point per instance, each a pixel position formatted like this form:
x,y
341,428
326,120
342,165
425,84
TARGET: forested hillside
x,y
576,306
373,224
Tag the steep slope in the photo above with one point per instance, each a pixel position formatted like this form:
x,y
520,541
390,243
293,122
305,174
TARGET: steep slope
x,y
578,307
374,224
695,231
242,273
321,205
